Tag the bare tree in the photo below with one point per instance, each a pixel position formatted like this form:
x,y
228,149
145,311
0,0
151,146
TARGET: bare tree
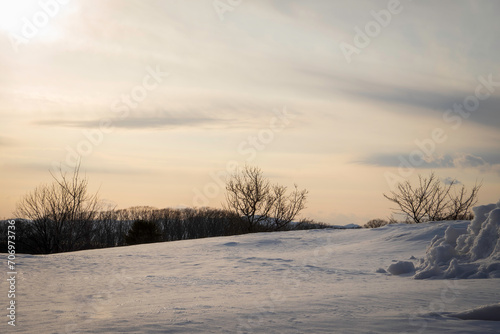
x,y
286,207
432,200
61,213
461,203
250,195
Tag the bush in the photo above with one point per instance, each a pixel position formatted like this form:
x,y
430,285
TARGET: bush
x,y
143,232
374,223
309,224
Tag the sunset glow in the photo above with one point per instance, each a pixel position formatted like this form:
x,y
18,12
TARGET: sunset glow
x,y
161,99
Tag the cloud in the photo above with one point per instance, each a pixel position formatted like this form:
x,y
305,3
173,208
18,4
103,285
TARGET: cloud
x,y
133,123
158,120
469,160
449,180
434,101
396,160
218,114
6,141
102,168
457,160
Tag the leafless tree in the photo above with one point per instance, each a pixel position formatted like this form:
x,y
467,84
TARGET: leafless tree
x,y
432,200
286,207
250,195
61,213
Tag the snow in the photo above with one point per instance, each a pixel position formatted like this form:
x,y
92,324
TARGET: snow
x,y
488,313
466,253
316,281
401,267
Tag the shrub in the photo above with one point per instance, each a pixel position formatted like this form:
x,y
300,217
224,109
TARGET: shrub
x,y
374,223
143,232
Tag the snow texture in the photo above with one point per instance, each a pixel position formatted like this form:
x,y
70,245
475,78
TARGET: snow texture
x,y
487,313
466,253
316,281
401,267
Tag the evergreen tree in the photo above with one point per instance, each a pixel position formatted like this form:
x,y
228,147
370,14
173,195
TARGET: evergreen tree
x,y
143,232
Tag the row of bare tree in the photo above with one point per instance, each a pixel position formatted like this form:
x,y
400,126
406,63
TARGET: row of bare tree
x,y
64,216
111,228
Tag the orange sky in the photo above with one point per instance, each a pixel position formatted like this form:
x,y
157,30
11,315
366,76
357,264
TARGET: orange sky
x,y
160,98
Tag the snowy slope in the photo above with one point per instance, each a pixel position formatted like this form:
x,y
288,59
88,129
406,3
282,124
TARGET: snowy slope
x,y
317,281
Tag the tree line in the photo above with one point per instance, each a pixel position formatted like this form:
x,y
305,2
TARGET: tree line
x,y
64,216
115,228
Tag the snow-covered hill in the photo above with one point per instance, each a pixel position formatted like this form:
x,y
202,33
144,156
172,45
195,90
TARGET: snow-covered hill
x,y
316,281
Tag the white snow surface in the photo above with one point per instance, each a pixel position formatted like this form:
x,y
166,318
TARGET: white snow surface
x,y
317,281
489,312
466,253
401,267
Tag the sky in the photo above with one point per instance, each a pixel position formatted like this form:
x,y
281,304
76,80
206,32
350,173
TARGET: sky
x,y
161,100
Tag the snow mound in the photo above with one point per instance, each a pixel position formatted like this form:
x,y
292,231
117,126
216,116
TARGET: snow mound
x,y
466,253
488,313
401,267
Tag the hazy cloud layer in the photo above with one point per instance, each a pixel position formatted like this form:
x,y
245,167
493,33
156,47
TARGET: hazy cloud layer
x,y
220,116
455,160
146,122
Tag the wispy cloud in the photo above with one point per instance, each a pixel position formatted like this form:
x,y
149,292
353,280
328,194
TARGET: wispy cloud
x,y
6,141
227,78
138,122
431,101
204,113
120,169
456,160
450,180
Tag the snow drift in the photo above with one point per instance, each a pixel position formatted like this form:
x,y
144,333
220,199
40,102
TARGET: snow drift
x,y
466,253
486,313
401,267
